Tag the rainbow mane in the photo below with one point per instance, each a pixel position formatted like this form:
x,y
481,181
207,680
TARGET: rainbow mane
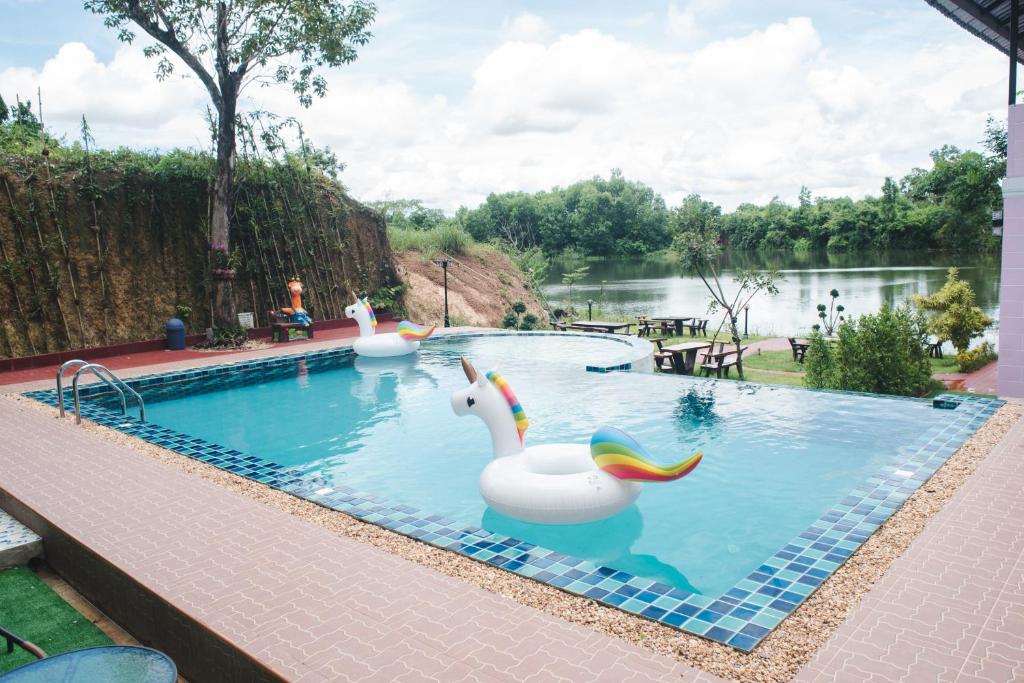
x,y
410,331
619,455
517,410
373,318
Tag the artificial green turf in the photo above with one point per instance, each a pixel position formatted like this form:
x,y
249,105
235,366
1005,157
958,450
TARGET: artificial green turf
x,y
30,609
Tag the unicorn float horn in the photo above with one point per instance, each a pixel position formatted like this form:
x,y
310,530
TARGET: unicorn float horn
x,y
618,454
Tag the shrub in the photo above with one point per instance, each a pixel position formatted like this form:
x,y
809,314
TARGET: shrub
x,y
529,322
449,239
882,353
972,359
452,239
956,318
510,321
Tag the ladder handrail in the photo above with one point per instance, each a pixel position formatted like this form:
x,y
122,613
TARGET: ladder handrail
x,y
111,380
60,381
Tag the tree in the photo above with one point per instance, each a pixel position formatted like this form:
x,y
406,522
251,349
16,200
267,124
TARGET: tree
x,y
699,253
957,317
228,45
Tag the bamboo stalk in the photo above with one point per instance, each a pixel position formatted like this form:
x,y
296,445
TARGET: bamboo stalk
x,y
42,256
60,231
14,290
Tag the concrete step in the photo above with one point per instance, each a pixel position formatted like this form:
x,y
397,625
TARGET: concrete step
x,y
18,544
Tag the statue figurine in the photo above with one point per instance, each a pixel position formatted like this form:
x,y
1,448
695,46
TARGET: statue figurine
x,y
296,313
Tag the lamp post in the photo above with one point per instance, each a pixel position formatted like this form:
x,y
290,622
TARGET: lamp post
x,y
590,309
746,315
444,263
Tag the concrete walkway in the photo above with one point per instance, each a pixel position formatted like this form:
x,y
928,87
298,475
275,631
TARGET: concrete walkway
x,y
306,604
951,608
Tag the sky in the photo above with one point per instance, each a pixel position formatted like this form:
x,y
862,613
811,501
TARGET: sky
x,y
736,100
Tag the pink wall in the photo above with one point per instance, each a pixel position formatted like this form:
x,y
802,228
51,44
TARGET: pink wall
x,y
1011,290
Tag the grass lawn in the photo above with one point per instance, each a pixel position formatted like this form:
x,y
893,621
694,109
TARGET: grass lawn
x,y
772,360
943,365
756,375
29,608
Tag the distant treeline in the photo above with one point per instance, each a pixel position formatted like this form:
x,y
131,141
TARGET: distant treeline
x,y
945,207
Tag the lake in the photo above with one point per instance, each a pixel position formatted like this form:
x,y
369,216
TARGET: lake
x,y
865,281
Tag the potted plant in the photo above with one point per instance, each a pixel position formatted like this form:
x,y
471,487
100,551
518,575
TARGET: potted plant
x,y
224,263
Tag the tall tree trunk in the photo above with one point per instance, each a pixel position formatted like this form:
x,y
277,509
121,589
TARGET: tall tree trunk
x,y
225,309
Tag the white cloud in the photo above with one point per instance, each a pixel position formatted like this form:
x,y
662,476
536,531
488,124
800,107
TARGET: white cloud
x,y
684,22
738,119
526,27
122,97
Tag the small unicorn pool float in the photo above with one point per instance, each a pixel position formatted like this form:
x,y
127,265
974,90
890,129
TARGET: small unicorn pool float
x,y
558,483
405,340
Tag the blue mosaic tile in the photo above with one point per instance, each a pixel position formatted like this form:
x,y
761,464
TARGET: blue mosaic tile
x,y
740,618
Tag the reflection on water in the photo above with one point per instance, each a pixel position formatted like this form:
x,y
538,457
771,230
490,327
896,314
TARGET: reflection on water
x,y
865,281
607,542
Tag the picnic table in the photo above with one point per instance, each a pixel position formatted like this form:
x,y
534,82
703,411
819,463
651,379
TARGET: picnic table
x,y
676,320
601,326
684,356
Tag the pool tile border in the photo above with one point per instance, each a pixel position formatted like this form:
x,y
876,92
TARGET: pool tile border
x,y
741,617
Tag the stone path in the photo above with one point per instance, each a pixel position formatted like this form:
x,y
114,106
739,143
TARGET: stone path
x,y
951,608
307,603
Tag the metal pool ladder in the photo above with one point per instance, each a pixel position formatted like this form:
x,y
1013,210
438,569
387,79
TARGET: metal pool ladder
x,y
106,376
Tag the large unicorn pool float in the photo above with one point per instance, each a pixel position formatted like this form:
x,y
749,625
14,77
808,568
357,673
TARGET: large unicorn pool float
x,y
559,483
405,340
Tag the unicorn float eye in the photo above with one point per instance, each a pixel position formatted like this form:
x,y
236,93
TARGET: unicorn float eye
x,y
470,401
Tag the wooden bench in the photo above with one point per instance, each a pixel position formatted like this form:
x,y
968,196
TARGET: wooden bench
x,y
698,325
799,348
661,357
719,362
644,327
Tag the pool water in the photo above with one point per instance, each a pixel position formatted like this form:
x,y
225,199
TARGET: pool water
x,y
776,459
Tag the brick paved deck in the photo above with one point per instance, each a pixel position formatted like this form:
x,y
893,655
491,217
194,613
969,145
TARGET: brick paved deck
x,y
304,603
952,607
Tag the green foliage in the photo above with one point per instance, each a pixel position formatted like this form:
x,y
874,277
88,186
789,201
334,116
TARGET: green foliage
x,y
698,252
257,34
409,214
572,277
515,320
830,315
882,353
451,239
980,356
389,298
956,317
226,338
600,216
446,239
182,312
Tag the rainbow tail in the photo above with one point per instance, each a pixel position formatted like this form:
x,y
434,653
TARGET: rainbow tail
x,y
410,331
619,455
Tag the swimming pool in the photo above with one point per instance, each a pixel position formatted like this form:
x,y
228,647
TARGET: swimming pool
x,y
791,483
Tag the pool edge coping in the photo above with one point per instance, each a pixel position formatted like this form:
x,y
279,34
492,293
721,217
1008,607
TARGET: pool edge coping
x,y
482,549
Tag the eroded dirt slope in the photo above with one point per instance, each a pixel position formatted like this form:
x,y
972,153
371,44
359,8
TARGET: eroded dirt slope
x,y
482,286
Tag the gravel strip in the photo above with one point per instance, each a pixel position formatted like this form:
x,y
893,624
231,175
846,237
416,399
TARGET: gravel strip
x,y
777,658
